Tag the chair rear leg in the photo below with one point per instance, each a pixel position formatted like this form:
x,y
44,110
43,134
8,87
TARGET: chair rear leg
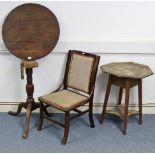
x,y
66,130
91,120
41,118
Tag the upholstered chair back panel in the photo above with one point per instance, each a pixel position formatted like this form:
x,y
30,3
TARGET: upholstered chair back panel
x,y
80,70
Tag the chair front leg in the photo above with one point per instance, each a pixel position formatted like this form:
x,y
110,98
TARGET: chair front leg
x,y
66,130
91,120
41,118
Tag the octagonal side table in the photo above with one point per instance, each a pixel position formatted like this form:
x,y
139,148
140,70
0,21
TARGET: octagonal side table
x,y
125,75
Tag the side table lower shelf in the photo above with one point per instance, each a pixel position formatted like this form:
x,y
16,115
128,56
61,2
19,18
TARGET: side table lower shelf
x,y
118,110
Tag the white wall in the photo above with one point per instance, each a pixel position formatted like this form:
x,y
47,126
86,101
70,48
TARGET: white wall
x,y
117,31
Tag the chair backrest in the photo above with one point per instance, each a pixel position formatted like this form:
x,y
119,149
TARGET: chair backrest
x,y
81,69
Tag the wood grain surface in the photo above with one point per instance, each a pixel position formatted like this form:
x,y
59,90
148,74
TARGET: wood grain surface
x,y
30,31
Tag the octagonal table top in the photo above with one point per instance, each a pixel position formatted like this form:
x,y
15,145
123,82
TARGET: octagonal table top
x,y
127,70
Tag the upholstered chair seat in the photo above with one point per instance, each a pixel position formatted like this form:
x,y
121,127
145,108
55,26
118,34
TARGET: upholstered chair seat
x,y
64,100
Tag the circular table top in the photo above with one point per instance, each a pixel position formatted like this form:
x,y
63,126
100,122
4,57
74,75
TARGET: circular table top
x,y
127,70
30,31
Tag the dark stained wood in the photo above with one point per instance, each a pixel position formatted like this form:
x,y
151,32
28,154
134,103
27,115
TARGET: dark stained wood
x,y
29,100
66,131
41,117
106,99
120,81
79,114
47,113
35,105
28,114
20,106
30,104
127,93
125,83
140,100
120,95
30,30
68,118
91,120
54,121
77,110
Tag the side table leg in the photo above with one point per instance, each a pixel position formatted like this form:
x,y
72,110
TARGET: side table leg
x,y
120,95
140,100
106,99
127,93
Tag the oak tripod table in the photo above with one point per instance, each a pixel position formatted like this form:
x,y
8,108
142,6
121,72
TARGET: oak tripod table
x,y
30,32
125,75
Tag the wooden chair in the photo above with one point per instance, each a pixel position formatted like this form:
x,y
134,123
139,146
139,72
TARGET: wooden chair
x,y
76,90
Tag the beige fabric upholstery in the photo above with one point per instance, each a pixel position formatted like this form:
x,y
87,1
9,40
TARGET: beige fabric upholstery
x,y
80,72
63,100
